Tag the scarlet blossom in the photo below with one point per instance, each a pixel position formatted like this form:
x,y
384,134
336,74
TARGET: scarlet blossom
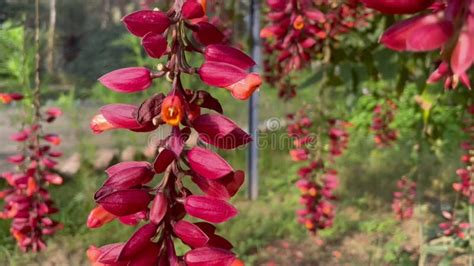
x,y
465,185
226,67
299,155
316,182
453,226
53,139
404,199
383,116
127,80
398,6
98,217
316,197
297,32
119,116
447,27
126,195
338,137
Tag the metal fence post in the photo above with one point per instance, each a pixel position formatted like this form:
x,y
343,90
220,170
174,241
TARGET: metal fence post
x,y
256,53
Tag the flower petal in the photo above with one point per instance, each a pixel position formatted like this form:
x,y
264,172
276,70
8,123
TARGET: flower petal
x,y
398,6
141,22
220,131
158,208
229,55
207,34
140,239
209,209
155,44
127,80
190,234
208,256
463,54
430,36
221,74
208,164
125,202
192,9
129,174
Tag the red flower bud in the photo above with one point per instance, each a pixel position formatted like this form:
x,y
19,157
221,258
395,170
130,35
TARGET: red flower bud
x,y
420,33
127,80
208,164
209,257
209,209
220,131
207,34
140,239
129,174
192,9
141,22
398,6
125,202
155,44
53,139
190,234
158,208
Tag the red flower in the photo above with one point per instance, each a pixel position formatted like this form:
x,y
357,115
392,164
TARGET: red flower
x,y
226,67
383,116
127,80
398,6
126,194
299,31
404,199
448,28
27,201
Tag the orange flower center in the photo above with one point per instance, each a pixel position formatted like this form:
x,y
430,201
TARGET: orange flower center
x,y
299,23
313,192
309,225
172,110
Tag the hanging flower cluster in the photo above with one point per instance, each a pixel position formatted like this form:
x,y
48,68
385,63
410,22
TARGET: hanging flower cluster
x,y
338,137
299,31
126,194
453,226
383,116
316,182
317,185
466,185
447,26
26,200
300,131
404,199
